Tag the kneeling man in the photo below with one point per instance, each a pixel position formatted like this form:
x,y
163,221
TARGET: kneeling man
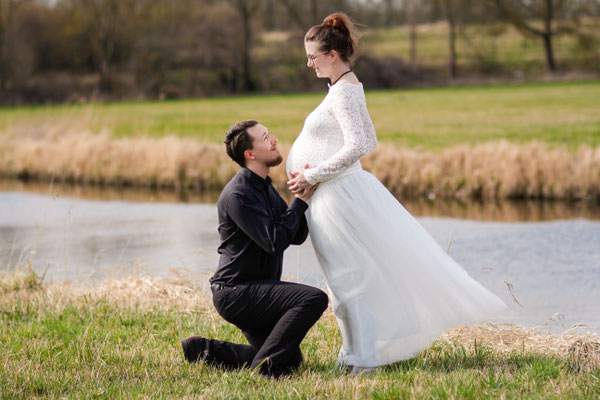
x,y
255,227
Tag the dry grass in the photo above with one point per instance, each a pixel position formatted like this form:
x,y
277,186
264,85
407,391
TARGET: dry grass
x,y
99,159
488,170
582,348
491,170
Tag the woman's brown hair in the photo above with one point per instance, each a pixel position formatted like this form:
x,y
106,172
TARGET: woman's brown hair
x,y
337,32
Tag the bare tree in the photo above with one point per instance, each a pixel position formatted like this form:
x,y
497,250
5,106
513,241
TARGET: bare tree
x,y
314,12
388,14
304,14
108,26
247,10
294,9
412,16
8,9
450,9
552,13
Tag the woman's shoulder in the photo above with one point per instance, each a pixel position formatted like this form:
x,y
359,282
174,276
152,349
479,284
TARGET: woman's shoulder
x,y
344,88
346,91
347,85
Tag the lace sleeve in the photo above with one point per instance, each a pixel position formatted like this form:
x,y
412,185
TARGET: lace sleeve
x,y
357,130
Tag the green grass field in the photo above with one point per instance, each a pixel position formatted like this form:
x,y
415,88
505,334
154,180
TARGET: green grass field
x,y
121,340
496,44
560,113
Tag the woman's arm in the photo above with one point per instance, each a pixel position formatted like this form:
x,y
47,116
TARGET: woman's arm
x,y
359,140
346,107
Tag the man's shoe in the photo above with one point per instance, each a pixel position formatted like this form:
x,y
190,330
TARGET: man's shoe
x,y
194,348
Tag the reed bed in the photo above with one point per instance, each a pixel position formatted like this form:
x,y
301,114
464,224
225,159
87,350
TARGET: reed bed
x,y
491,170
498,169
120,338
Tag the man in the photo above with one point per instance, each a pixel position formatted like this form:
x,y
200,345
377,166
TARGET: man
x,y
255,227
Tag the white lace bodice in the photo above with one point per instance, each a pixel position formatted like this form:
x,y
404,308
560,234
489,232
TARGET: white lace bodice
x,y
335,135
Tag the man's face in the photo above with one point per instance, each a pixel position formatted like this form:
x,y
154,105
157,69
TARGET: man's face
x,y
264,147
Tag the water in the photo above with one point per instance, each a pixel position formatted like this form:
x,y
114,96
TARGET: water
x,y
553,265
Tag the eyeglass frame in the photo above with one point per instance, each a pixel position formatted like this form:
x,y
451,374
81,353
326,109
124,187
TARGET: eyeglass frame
x,y
311,58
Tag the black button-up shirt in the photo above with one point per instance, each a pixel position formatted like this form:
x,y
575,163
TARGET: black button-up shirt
x,y
255,226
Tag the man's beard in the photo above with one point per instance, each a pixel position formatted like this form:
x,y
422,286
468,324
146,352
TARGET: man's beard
x,y
275,162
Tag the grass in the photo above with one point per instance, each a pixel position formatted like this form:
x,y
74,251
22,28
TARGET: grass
x,y
504,141
121,339
500,45
430,119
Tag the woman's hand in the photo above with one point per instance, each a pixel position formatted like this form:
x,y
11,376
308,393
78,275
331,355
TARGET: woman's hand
x,y
298,184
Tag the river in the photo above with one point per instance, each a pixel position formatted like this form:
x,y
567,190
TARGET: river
x,y
548,253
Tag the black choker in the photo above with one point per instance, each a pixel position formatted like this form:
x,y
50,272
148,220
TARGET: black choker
x,y
340,77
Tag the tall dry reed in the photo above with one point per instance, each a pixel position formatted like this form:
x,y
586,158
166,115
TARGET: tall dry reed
x,y
488,170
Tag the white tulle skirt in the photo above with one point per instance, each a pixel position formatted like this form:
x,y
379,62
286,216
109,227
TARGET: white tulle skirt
x,y
393,288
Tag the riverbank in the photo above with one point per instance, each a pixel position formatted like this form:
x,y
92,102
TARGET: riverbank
x,y
538,141
120,338
517,210
490,170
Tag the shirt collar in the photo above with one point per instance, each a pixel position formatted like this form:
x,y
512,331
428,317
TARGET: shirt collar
x,y
254,179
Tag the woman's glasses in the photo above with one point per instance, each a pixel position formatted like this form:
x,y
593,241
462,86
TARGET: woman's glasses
x,y
311,58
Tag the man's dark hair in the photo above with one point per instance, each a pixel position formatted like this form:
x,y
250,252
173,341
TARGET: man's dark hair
x,y
238,140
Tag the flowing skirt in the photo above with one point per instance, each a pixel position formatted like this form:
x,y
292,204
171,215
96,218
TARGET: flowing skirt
x,y
393,288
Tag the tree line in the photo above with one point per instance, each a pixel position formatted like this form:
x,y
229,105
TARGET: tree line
x,y
72,50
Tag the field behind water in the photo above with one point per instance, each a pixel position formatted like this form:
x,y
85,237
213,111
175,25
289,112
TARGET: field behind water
x,y
512,141
497,46
430,119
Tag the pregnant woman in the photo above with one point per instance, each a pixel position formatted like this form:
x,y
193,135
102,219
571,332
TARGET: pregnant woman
x,y
394,290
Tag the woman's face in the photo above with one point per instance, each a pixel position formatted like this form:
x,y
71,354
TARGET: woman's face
x,y
315,58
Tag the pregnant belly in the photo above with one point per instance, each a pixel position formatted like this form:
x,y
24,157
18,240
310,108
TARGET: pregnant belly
x,y
298,157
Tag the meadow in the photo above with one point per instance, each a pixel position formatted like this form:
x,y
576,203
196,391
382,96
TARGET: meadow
x,y
120,338
504,141
494,47
431,119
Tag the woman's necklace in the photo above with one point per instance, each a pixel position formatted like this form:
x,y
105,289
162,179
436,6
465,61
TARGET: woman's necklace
x,y
340,77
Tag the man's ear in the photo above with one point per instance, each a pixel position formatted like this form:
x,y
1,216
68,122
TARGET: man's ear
x,y
248,154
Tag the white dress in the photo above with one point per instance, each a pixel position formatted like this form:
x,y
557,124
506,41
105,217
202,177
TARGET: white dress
x,y
393,289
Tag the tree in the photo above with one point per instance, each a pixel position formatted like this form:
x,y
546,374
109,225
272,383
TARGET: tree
x,y
247,10
523,14
450,9
294,10
8,10
412,16
109,26
456,13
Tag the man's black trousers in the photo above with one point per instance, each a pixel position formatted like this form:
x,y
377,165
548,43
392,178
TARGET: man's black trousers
x,y
273,315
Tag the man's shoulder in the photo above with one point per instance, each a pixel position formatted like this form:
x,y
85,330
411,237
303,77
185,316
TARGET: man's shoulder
x,y
237,187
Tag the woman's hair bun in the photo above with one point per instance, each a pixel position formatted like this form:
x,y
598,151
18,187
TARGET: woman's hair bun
x,y
336,32
338,21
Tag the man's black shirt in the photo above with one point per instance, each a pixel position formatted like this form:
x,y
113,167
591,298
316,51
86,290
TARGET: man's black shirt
x,y
255,226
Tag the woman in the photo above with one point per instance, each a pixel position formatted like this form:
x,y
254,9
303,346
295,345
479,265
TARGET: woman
x,y
394,290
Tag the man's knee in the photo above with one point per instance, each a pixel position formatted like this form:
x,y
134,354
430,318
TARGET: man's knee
x,y
321,300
